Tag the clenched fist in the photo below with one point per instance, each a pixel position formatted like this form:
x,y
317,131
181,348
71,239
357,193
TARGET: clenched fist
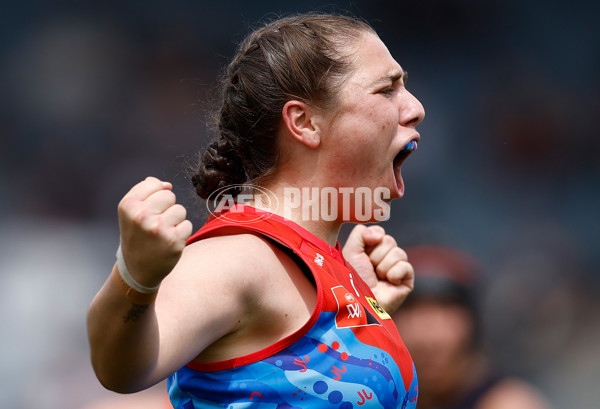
x,y
381,263
154,230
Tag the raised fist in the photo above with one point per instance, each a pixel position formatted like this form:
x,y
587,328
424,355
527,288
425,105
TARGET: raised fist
x,y
154,230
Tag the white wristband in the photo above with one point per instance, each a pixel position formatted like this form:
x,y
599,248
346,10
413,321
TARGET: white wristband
x,y
124,273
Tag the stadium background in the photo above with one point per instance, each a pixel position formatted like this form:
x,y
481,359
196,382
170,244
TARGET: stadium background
x,y
97,95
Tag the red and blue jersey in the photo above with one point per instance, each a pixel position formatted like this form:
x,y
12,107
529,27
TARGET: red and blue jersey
x,y
348,355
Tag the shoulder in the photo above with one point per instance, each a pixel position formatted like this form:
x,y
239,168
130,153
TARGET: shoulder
x,y
513,393
233,263
211,291
230,252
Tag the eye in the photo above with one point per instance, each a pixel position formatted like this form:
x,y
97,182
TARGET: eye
x,y
387,91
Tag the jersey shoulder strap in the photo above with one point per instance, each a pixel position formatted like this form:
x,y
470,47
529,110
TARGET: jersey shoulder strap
x,y
245,218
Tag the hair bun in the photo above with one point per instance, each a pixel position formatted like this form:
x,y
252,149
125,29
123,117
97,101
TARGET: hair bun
x,y
221,166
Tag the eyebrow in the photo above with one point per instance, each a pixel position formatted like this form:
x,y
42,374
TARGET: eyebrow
x,y
394,76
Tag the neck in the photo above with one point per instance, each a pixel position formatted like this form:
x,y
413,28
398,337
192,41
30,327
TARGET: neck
x,y
285,200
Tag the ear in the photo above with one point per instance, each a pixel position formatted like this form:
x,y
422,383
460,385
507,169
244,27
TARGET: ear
x,y
298,119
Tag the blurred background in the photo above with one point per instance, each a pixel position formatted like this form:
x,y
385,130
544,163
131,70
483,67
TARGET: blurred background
x,y
97,95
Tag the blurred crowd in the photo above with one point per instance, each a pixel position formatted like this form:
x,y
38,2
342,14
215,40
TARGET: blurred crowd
x,y
98,95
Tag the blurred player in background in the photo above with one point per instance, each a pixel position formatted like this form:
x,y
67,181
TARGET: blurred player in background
x,y
441,325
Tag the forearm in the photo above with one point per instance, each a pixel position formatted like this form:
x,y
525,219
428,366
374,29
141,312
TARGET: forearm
x,y
128,351
124,340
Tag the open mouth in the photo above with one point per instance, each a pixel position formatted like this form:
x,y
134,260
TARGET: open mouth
x,y
409,148
403,154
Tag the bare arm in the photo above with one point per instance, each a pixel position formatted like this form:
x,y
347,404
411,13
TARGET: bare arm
x,y
134,346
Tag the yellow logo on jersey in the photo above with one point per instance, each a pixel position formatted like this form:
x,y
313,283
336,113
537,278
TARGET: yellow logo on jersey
x,y
378,309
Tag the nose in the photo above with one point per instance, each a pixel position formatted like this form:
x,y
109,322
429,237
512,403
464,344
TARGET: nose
x,y
411,110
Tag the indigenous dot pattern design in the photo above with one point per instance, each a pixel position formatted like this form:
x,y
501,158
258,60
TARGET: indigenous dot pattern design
x,y
326,368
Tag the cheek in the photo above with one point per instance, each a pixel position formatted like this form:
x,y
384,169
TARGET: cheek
x,y
354,148
359,140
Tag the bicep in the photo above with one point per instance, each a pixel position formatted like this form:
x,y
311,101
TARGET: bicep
x,y
201,301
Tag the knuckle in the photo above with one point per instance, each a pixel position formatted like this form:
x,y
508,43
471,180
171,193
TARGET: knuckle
x,y
377,228
170,195
401,268
359,228
126,203
153,226
399,253
140,216
185,229
389,240
175,243
180,209
153,183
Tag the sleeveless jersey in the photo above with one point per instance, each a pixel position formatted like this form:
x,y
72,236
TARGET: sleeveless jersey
x,y
348,355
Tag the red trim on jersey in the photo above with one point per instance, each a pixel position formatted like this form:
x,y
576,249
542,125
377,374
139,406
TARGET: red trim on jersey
x,y
304,244
279,235
238,217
